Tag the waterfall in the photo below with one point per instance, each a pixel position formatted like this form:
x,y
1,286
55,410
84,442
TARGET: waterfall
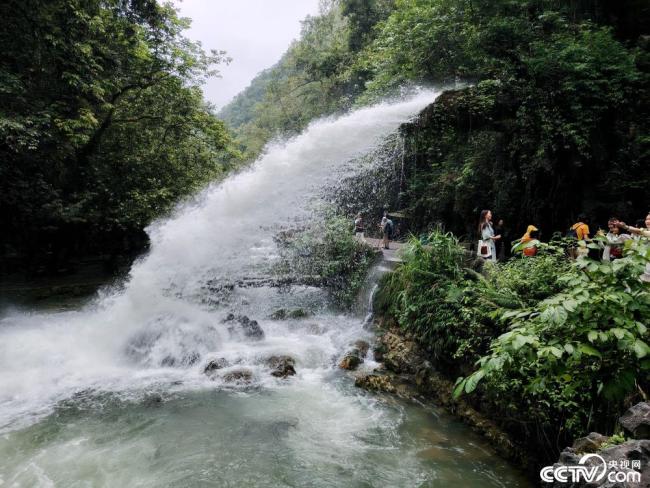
x,y
116,393
166,322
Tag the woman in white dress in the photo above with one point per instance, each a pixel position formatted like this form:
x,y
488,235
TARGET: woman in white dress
x,y
486,231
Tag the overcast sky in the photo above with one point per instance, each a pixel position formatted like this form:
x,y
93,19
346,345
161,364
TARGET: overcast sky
x,y
255,33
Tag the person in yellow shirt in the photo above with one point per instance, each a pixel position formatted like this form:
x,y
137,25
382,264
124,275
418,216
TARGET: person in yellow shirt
x,y
581,229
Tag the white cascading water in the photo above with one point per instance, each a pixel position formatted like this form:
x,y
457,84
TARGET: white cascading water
x,y
115,394
124,341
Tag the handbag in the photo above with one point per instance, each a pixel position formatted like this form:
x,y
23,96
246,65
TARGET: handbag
x,y
484,249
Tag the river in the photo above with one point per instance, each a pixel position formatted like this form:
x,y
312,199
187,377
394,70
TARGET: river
x,y
112,393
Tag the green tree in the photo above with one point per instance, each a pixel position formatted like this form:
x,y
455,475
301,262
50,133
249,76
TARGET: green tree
x,y
103,124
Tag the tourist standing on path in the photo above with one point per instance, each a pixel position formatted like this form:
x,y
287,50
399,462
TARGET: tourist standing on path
x,y
359,228
386,227
581,229
488,239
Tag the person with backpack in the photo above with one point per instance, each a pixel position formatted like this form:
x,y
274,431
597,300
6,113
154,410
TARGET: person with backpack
x,y
386,227
359,228
580,232
486,244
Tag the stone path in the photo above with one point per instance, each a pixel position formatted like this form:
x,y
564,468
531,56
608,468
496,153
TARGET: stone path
x,y
391,255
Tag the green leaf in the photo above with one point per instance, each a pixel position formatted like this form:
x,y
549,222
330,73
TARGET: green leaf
x,y
640,348
521,340
473,380
588,350
460,386
570,305
618,333
592,335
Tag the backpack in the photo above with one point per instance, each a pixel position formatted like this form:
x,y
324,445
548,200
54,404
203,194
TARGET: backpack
x,y
389,228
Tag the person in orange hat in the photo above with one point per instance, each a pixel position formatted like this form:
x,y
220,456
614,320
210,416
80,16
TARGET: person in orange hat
x,y
529,241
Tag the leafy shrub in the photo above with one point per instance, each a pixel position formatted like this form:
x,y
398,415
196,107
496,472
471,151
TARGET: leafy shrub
x,y
331,254
453,310
571,360
560,345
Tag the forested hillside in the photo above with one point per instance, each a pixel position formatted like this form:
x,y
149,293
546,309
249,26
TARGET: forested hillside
x,y
320,74
103,125
554,123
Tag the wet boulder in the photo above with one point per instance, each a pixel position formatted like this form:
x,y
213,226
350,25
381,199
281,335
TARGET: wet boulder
x,y
241,375
362,346
215,365
187,359
378,351
592,443
282,366
354,357
253,330
423,372
375,382
400,354
241,323
637,451
636,420
351,360
279,314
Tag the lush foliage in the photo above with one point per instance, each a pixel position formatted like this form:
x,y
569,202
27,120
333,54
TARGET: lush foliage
x,y
576,355
102,119
552,127
558,345
330,256
453,310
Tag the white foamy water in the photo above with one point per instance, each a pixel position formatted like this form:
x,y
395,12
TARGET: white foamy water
x,y
121,341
